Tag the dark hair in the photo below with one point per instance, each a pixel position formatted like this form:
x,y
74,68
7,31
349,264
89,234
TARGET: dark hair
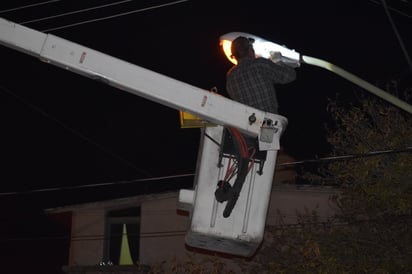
x,y
240,46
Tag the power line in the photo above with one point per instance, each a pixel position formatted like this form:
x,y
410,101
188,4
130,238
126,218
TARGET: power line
x,y
72,130
393,9
88,9
74,12
324,159
347,157
175,233
29,6
97,184
395,30
114,16
97,237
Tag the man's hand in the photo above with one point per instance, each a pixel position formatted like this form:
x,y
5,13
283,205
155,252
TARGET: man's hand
x,y
275,56
278,58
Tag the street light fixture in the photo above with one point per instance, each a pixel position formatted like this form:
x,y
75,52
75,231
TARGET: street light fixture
x,y
265,49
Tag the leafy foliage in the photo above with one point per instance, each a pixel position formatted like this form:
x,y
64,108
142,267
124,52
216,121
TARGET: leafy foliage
x,y
376,199
377,185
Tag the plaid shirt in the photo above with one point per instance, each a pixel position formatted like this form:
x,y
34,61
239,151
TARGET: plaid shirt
x,y
252,82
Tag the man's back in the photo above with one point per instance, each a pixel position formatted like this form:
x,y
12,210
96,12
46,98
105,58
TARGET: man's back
x,y
252,82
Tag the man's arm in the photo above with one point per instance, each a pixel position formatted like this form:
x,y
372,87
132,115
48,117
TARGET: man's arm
x,y
282,73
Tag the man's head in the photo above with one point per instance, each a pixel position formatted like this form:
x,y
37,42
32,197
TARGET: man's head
x,y
242,47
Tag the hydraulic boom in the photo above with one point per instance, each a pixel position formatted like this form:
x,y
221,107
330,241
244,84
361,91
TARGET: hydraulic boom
x,y
225,216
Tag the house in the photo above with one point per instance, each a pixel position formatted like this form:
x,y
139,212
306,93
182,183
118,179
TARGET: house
x,y
149,229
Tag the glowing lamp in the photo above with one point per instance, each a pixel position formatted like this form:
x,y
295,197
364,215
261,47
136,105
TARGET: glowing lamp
x,y
226,44
262,47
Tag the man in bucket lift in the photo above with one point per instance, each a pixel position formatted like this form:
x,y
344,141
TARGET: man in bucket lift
x,y
251,82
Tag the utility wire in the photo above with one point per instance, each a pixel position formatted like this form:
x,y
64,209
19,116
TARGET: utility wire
x,y
72,130
74,12
325,159
393,9
29,6
115,15
97,185
174,233
97,237
395,30
88,9
347,157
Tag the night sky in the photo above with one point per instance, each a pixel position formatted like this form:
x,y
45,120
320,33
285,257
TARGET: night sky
x,y
60,130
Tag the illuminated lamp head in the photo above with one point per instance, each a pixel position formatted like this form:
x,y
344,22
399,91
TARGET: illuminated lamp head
x,y
262,47
226,46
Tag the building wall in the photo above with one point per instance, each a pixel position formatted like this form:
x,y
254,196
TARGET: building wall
x,y
162,230
163,227
159,218
288,201
87,243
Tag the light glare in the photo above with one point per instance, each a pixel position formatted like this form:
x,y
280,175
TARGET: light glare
x,y
262,47
226,44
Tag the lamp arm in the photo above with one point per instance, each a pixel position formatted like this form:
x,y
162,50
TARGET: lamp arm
x,y
358,81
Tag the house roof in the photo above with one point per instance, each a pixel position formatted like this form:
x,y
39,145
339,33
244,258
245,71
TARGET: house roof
x,y
114,203
123,202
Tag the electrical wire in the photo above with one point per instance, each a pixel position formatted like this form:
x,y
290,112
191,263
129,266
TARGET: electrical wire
x,y
347,157
393,9
98,237
114,16
88,9
398,36
161,178
73,131
176,233
74,12
324,159
29,6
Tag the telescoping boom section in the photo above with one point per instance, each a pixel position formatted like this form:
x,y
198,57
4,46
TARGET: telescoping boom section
x,y
228,204
137,80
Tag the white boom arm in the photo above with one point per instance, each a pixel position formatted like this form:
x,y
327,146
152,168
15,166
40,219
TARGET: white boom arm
x,y
233,223
143,82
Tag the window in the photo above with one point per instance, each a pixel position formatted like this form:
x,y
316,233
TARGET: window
x,y
122,236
